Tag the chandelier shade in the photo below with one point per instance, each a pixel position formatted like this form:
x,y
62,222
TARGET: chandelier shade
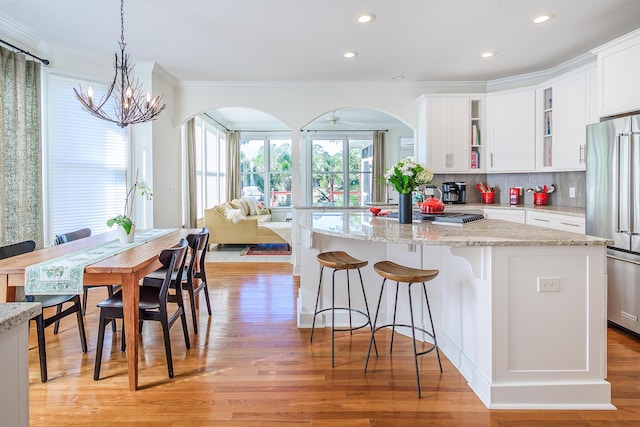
x,y
130,104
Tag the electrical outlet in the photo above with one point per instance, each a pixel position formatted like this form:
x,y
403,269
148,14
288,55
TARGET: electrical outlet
x,y
548,284
572,192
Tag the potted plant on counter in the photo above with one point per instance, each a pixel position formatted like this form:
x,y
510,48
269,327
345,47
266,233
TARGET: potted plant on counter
x,y
126,226
406,176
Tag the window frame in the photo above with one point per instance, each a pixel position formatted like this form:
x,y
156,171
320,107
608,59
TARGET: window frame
x,y
346,139
267,138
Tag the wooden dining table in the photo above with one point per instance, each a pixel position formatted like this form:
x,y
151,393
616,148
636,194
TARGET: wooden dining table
x,y
126,268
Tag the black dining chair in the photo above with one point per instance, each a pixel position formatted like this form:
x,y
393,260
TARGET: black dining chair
x,y
193,288
153,306
195,269
47,301
69,237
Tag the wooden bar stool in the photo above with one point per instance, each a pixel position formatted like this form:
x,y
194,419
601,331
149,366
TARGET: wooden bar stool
x,y
339,260
401,274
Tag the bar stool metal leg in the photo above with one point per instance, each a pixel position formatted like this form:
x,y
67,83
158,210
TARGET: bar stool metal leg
x,y
409,276
413,335
340,261
315,311
433,329
373,327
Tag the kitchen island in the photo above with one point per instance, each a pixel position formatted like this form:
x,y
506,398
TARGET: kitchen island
x,y
519,310
14,361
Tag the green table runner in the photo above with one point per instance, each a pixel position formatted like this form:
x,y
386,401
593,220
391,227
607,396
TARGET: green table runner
x,y
65,275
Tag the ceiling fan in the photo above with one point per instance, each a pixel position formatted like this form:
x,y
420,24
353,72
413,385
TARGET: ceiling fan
x,y
333,119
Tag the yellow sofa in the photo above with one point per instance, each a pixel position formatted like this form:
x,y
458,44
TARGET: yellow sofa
x,y
250,229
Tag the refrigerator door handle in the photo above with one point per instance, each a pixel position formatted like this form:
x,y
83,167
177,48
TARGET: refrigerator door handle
x,y
618,181
634,137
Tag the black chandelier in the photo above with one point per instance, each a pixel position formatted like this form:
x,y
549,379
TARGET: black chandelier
x,y
131,106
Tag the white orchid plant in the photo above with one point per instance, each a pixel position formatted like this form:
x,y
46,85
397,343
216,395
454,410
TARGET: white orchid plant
x,y
406,176
124,220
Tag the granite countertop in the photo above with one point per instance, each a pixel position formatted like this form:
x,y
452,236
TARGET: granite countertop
x,y
359,225
14,313
564,210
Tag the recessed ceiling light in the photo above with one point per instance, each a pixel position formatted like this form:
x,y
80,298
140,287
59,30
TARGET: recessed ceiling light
x,y
398,77
488,54
366,17
350,54
543,18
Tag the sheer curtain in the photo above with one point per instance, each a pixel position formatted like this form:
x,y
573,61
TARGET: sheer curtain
x,y
233,165
20,149
191,197
379,188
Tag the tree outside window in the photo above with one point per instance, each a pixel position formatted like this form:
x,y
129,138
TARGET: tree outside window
x,y
265,168
333,183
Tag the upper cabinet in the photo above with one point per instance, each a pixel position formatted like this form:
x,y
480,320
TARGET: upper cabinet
x,y
452,133
618,78
511,119
565,108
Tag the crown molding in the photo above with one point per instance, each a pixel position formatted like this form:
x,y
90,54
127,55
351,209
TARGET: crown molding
x,y
532,79
21,38
619,43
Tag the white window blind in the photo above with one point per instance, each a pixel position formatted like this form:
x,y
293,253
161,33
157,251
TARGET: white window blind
x,y
85,159
210,151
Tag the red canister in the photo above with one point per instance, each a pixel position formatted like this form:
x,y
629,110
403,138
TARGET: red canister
x,y
488,197
514,194
540,198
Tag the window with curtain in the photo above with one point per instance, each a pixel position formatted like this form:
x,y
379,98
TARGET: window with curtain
x,y
341,171
265,168
86,161
210,149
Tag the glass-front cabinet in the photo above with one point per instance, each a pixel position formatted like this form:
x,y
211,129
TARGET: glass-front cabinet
x,y
450,132
566,107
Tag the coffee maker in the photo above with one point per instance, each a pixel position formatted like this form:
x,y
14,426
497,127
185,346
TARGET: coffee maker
x,y
454,192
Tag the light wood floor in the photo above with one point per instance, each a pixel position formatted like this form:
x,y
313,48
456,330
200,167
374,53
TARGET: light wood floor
x,y
251,366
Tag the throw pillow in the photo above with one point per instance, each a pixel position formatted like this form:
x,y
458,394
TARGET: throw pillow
x,y
245,206
263,211
252,206
234,215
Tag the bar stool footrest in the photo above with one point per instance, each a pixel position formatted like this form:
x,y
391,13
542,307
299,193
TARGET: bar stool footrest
x,y
353,310
434,344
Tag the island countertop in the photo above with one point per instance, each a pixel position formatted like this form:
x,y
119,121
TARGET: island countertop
x,y
364,226
13,313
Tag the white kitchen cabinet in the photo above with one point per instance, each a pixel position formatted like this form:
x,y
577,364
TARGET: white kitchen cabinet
x,y
447,134
511,215
618,78
563,114
511,131
556,221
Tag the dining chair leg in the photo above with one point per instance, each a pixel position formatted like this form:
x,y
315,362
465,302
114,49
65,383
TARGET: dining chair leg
x,y
206,296
85,295
42,349
56,327
114,326
167,347
185,330
123,341
99,345
194,316
83,336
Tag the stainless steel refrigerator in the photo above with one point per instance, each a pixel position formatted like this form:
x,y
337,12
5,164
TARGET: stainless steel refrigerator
x,y
613,211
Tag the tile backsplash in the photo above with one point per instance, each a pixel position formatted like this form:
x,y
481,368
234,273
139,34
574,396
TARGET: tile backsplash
x,y
562,181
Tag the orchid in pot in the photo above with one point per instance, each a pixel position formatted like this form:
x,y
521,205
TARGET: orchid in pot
x,y
124,221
